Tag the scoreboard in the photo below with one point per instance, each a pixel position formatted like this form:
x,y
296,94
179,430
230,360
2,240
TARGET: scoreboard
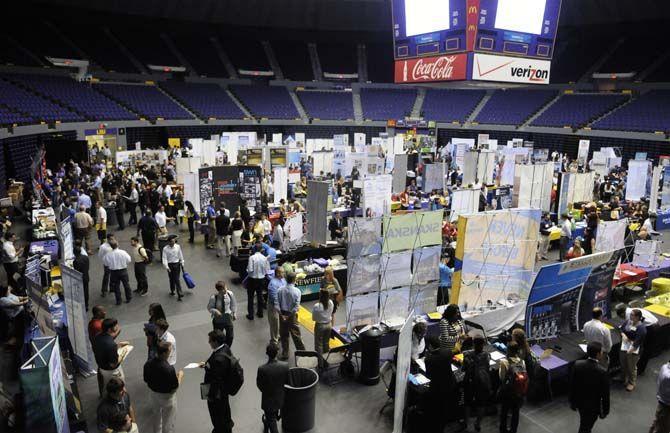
x,y
490,40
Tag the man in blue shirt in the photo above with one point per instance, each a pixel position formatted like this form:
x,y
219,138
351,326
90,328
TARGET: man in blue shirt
x,y
662,419
289,304
210,239
84,200
276,283
445,281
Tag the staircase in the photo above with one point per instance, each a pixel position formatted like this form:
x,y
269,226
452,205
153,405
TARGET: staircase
x,y
418,102
126,52
358,107
175,52
239,104
316,63
178,102
601,61
541,110
298,105
232,72
362,56
471,118
272,59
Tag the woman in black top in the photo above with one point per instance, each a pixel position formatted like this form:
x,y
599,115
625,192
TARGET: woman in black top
x,y
155,312
191,217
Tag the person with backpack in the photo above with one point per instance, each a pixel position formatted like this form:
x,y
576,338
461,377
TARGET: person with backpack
x,y
513,388
223,308
223,377
141,259
477,381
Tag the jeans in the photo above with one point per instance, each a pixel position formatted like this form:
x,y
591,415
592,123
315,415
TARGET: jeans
x,y
141,277
288,324
322,337
116,278
174,273
219,413
509,405
255,285
270,421
273,321
586,420
165,411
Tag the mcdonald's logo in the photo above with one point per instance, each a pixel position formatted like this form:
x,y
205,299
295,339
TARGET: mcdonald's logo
x,y
471,27
472,9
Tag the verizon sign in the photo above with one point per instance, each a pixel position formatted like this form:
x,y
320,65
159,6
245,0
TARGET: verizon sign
x,y
427,69
510,69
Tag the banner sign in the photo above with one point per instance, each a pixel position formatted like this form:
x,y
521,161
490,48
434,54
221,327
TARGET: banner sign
x,y
67,240
509,69
77,318
428,69
339,155
665,190
638,181
377,195
412,230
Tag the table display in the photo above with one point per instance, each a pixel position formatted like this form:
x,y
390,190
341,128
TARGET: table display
x,y
44,224
51,248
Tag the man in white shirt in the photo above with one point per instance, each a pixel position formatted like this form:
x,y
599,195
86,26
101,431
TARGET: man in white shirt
x,y
10,259
102,252
566,235
161,220
257,269
596,331
117,261
267,225
648,224
167,337
173,262
133,199
164,191
101,222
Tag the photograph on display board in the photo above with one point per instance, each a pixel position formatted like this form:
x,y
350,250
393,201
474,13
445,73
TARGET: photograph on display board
x,y
425,264
363,275
362,310
423,298
394,304
363,236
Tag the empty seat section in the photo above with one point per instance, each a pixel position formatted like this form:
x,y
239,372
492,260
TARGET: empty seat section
x,y
513,106
385,104
444,105
148,101
205,99
271,102
327,105
578,110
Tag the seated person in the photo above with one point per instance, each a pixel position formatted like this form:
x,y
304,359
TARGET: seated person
x,y
418,340
576,250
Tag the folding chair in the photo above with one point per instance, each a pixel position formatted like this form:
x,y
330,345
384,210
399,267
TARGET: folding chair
x,y
333,361
307,359
389,385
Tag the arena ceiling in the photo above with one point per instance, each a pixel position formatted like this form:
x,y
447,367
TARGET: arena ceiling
x,y
358,15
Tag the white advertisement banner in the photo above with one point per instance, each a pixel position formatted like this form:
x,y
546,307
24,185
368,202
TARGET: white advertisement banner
x,y
280,184
510,69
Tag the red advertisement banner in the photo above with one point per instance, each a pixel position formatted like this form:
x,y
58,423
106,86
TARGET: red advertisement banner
x,y
429,69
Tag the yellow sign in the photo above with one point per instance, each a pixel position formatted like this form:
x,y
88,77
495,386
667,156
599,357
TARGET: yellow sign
x,y
174,143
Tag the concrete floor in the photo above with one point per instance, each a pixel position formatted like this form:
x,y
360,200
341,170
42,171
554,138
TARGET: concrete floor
x,y
345,407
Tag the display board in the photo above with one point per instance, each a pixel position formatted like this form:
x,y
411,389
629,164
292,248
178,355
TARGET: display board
x,y
486,162
363,275
434,177
377,195
322,163
532,186
280,179
638,181
187,165
495,256
339,155
574,188
509,156
363,236
66,239
134,158
459,147
317,211
412,230
426,264
362,309
399,173
228,185
394,304
77,317
293,229
358,160
470,161
611,235
395,270
464,201
191,189
564,294
423,298
403,362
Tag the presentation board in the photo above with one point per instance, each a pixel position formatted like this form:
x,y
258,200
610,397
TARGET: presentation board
x,y
362,310
426,265
363,274
497,251
394,304
638,181
77,317
395,270
412,230
470,161
339,155
358,160
134,158
293,228
280,182
187,165
67,239
423,298
228,185
611,235
532,186
574,188
317,211
509,160
486,162
322,163
364,236
435,176
377,195
191,189
460,146
464,201
399,173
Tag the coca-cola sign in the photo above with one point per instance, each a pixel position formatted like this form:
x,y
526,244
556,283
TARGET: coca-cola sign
x,y
426,69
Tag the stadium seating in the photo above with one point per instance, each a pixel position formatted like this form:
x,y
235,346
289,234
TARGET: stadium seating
x,y
385,104
648,113
294,60
513,106
577,110
327,105
271,102
204,99
79,97
445,105
20,100
148,101
9,117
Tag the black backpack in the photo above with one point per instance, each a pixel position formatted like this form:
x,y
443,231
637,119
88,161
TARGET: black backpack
x,y
235,378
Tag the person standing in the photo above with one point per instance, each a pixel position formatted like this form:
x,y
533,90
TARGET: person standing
x,y
161,220
81,265
106,350
590,388
322,315
336,227
443,391
117,261
133,199
566,235
95,329
222,223
217,370
289,304
115,403
10,260
661,423
141,258
83,223
276,283
148,227
210,239
223,309
633,332
270,380
173,262
191,217
511,371
101,222
445,281
257,269
595,331
105,249
163,381
164,336
545,231
477,381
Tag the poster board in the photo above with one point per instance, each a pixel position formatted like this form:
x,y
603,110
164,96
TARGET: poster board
x,y
359,142
395,269
464,201
574,188
402,371
323,163
399,173
358,160
339,155
485,166
363,274
470,161
187,165
460,146
191,189
364,236
317,211
611,235
362,310
434,177
377,195
280,179
228,185
67,240
77,317
532,185
412,230
134,158
638,181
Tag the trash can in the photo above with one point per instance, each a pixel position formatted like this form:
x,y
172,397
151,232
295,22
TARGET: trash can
x,y
162,241
299,401
370,347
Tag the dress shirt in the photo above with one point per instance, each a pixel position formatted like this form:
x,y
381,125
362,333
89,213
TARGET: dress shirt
x,y
101,215
160,376
566,229
105,249
82,220
258,266
164,192
167,337
273,289
323,315
225,304
161,219
84,200
117,259
663,384
10,252
289,298
595,330
267,227
134,196
172,254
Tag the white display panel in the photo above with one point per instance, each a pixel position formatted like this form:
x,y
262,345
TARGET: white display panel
x,y
520,15
426,16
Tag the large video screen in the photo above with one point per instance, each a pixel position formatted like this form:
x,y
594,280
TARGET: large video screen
x,y
426,16
525,16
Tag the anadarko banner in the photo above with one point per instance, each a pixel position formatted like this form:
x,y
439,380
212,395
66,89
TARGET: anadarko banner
x,y
412,230
426,69
509,69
